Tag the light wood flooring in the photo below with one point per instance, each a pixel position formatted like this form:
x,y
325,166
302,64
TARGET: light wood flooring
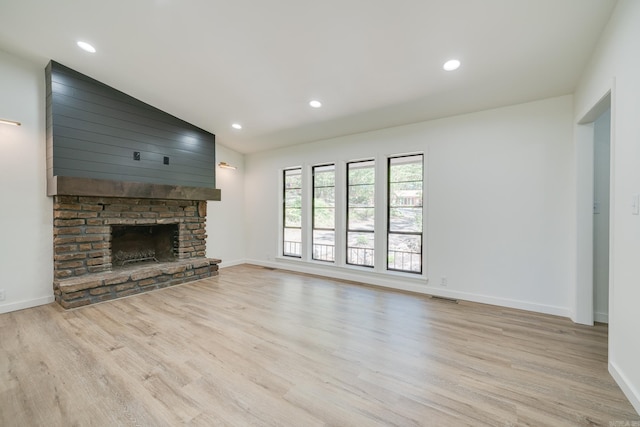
x,y
260,347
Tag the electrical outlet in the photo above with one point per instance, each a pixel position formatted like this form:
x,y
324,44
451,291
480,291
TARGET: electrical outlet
x,y
443,281
2,295
136,155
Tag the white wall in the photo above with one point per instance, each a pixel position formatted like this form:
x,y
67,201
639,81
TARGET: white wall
x,y
616,60
225,218
26,223
499,203
602,132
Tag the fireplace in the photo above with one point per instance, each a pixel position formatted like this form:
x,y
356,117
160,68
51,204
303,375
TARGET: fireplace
x,y
111,247
130,185
138,244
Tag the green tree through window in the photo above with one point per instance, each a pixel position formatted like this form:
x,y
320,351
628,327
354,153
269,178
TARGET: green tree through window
x,y
292,221
361,212
404,203
324,213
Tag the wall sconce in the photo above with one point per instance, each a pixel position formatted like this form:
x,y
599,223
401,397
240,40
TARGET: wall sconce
x,y
10,122
226,165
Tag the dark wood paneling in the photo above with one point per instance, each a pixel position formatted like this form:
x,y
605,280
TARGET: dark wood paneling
x,y
93,131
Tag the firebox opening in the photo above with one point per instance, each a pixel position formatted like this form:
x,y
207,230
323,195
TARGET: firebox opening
x,y
135,244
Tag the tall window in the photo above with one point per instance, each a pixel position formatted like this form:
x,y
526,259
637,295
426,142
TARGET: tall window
x,y
404,244
361,178
324,213
292,221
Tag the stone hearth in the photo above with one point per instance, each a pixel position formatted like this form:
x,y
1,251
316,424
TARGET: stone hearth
x,y
85,270
99,287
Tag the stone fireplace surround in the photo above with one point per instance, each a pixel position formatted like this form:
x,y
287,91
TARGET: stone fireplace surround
x,y
84,270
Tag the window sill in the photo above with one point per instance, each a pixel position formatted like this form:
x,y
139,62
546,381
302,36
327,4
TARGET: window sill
x,y
365,274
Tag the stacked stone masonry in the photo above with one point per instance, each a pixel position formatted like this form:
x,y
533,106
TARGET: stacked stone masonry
x,y
82,245
90,289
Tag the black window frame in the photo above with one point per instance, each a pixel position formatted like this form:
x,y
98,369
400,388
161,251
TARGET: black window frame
x,y
405,233
313,213
284,213
348,207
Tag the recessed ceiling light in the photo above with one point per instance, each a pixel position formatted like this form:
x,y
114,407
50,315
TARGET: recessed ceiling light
x,y
315,103
452,64
86,47
237,126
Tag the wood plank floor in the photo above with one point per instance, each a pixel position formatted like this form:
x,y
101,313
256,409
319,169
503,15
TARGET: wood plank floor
x,y
260,347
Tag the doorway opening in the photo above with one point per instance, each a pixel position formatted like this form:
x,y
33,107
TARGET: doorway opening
x,y
601,209
593,153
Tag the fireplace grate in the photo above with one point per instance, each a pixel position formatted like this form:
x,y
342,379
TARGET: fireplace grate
x,y
136,256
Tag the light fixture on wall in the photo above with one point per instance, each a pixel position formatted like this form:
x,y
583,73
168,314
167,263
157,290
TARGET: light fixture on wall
x,y
226,165
10,122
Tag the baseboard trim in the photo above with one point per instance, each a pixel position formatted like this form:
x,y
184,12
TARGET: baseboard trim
x,y
626,386
418,285
21,305
601,317
225,264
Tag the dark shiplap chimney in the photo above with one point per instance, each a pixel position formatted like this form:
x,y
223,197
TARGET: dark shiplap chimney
x,y
102,142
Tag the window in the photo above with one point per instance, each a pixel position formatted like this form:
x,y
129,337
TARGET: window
x,y
404,243
360,212
292,220
324,213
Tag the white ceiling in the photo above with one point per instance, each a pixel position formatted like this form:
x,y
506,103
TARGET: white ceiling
x,y
372,63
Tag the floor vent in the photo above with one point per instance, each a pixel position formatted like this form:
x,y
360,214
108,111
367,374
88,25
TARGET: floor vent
x,y
445,299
